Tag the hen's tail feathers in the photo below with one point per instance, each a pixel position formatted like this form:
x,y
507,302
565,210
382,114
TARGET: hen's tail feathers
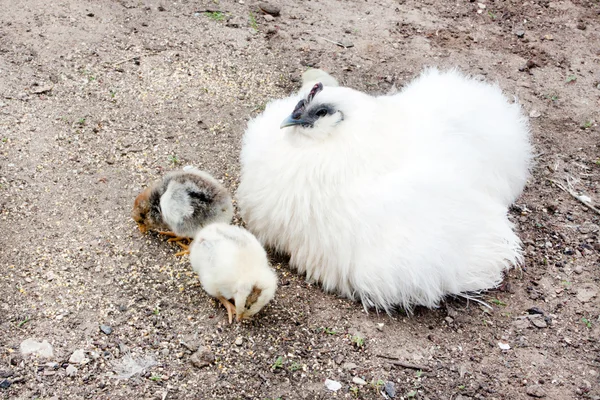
x,y
314,75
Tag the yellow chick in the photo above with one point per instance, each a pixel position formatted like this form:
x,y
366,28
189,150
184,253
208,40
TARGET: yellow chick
x,y
232,265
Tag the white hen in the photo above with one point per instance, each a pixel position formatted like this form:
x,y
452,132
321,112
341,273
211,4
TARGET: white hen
x,y
393,200
231,264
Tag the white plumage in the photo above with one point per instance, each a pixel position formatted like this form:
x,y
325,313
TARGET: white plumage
x,y
393,200
232,264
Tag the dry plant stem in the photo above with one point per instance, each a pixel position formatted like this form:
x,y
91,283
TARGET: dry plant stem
x,y
409,366
574,195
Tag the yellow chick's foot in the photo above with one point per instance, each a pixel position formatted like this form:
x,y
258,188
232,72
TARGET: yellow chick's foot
x,y
229,306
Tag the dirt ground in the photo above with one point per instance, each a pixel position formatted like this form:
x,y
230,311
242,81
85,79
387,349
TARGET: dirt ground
x,y
98,98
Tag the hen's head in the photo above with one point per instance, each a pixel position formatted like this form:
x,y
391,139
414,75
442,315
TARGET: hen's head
x,y
314,116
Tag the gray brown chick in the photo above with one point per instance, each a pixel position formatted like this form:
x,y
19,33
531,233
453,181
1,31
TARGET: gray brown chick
x,y
182,203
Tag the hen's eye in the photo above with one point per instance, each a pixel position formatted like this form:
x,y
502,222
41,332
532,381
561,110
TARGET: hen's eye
x,y
321,112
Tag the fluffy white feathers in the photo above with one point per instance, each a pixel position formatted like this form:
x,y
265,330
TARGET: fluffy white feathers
x,y
232,264
400,202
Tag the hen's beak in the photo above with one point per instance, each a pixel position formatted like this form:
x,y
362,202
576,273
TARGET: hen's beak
x,y
289,121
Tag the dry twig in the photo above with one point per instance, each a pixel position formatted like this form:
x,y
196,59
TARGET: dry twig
x,y
576,196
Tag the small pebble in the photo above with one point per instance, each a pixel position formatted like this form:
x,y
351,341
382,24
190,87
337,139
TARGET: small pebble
x,y
106,329
78,357
32,346
535,114
71,370
269,8
269,18
239,341
390,389
202,358
334,386
5,384
7,373
349,366
504,346
538,321
359,381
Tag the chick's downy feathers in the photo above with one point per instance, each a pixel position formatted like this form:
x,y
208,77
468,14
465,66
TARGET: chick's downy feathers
x,y
232,265
392,200
183,202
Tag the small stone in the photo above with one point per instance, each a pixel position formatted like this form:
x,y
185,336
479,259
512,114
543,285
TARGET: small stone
x,y
202,358
380,326
535,114
578,270
390,389
359,381
50,275
42,89
239,341
4,373
504,345
52,365
78,357
585,294
191,343
334,386
346,44
233,22
481,6
123,348
31,346
107,330
536,391
71,370
538,321
269,18
520,33
581,26
5,384
449,320
588,227
348,366
269,8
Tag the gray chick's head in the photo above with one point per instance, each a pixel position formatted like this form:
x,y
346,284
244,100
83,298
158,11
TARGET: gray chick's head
x,y
314,116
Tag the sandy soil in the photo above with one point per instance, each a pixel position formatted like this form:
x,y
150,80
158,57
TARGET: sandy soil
x,y
97,98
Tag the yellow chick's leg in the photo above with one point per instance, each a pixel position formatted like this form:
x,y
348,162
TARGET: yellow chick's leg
x,y
229,306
